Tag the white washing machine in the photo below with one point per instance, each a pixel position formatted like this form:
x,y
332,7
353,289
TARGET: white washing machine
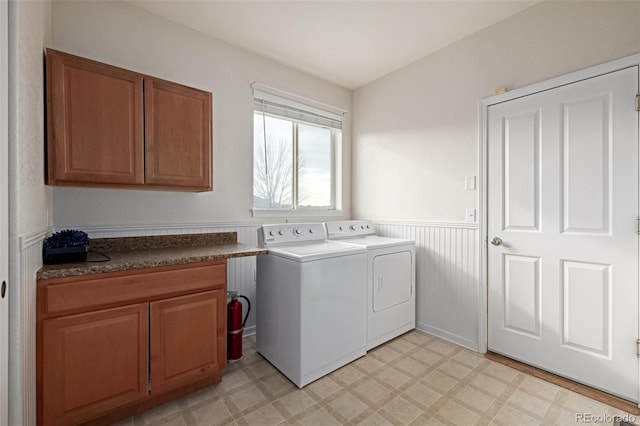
x,y
311,301
391,279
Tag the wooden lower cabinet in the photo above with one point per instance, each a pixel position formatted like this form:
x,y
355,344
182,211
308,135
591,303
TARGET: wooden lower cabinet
x,y
103,363
95,362
187,339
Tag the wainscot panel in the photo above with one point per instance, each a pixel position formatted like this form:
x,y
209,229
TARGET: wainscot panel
x,y
22,336
447,277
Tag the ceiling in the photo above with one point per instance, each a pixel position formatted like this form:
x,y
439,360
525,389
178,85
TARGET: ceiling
x,y
348,42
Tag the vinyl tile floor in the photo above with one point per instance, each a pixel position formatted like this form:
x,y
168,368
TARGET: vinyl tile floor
x,y
415,379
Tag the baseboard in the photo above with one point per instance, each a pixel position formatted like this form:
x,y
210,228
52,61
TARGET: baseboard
x,y
444,335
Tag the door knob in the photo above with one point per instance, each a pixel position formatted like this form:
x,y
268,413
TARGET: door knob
x,y
496,241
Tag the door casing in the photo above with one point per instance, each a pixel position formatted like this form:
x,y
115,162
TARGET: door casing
x,y
484,104
4,211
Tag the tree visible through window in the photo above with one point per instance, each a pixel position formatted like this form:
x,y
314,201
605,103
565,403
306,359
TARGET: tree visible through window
x,y
293,163
272,163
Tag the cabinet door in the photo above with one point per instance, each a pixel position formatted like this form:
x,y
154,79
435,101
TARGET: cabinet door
x,y
95,122
94,362
188,339
178,135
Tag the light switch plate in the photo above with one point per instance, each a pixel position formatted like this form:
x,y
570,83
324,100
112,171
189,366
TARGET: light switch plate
x,y
470,183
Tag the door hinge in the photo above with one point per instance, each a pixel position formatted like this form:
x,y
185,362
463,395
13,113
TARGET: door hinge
x,y
638,348
638,102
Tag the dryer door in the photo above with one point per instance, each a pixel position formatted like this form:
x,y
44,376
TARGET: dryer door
x,y
391,280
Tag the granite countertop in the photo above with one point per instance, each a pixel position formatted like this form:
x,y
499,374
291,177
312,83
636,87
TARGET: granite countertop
x,y
148,252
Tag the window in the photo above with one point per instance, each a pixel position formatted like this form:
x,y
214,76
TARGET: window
x,y
294,155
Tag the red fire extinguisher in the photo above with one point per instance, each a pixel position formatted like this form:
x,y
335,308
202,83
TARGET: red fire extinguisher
x,y
235,324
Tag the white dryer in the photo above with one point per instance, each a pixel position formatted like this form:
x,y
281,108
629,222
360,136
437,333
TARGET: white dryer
x,y
311,301
391,279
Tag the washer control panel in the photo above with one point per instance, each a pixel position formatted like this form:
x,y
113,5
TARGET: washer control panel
x,y
349,228
290,233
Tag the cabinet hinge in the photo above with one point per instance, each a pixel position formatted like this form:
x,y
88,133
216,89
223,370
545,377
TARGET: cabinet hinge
x,y
638,348
638,102
638,226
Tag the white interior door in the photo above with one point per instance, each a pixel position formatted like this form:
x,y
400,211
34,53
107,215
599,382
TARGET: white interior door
x,y
4,215
563,199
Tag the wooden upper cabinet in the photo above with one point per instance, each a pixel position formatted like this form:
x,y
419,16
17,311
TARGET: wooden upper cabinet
x,y
111,127
178,135
95,122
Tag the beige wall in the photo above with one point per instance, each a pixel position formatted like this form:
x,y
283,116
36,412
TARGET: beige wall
x,y
122,35
30,200
30,32
415,130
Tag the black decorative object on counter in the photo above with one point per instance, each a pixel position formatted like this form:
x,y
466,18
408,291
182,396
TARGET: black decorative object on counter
x,y
66,246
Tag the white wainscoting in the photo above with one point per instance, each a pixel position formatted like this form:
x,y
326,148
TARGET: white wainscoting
x,y
22,335
447,277
240,271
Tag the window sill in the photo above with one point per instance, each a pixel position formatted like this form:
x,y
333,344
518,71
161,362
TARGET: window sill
x,y
296,213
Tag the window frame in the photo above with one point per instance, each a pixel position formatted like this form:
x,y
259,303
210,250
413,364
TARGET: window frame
x,y
296,209
296,162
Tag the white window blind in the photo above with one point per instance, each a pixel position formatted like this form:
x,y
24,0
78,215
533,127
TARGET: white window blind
x,y
294,110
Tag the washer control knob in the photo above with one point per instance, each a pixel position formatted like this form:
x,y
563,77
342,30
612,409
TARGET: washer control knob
x,y
352,227
297,231
272,233
361,226
341,228
311,230
281,232
368,226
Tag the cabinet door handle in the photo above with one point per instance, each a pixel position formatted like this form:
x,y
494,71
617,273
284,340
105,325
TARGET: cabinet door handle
x,y
3,289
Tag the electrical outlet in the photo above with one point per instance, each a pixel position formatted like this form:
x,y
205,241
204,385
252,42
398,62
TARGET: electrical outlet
x,y
470,215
